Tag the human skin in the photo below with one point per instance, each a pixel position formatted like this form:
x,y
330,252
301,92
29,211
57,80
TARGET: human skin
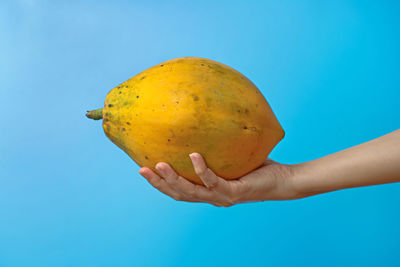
x,y
371,163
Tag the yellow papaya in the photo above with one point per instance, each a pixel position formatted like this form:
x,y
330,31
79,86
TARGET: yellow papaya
x,y
186,105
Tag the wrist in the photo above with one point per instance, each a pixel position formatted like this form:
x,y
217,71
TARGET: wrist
x,y
304,181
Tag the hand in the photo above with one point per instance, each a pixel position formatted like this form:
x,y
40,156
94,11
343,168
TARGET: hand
x,y
271,181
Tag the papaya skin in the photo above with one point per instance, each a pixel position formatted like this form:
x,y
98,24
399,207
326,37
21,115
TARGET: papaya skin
x,y
187,105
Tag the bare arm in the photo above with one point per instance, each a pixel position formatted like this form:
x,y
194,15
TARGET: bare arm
x,y
371,163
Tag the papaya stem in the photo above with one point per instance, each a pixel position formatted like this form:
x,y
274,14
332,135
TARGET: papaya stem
x,y
96,114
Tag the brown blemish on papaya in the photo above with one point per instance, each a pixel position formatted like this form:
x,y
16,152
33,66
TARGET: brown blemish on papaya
x,y
162,65
126,86
202,64
169,140
177,102
254,129
137,96
110,105
119,92
128,123
123,129
195,97
143,78
146,157
105,120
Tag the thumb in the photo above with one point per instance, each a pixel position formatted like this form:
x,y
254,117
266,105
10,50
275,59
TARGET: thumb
x,y
207,176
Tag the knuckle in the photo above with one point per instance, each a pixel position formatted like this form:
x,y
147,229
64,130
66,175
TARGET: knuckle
x,y
212,184
202,172
171,180
156,183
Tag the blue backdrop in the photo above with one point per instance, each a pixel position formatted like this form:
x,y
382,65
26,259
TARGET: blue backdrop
x,y
69,197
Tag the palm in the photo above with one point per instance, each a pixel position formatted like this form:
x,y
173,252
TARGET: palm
x,y
265,181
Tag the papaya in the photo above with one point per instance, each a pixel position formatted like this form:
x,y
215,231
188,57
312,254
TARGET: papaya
x,y
187,105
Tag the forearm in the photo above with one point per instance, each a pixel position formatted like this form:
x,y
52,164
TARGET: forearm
x,y
371,163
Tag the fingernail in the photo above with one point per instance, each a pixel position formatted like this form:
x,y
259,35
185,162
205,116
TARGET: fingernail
x,y
160,170
192,156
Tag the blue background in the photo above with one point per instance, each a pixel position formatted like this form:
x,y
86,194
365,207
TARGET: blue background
x,y
69,197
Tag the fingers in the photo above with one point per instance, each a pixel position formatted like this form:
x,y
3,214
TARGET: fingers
x,y
209,178
218,191
162,185
187,188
